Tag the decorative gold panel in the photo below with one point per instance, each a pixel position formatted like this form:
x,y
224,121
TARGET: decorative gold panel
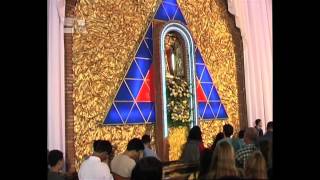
x,y
103,52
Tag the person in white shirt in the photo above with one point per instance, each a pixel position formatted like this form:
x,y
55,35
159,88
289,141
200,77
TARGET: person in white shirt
x,y
95,167
123,164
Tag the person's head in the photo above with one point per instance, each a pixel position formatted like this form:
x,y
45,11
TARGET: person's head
x,y
135,147
55,160
250,135
266,150
227,130
241,134
223,161
258,123
147,168
219,136
102,149
255,167
270,126
146,139
195,133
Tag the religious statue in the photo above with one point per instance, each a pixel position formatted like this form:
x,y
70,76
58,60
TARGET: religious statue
x,y
174,56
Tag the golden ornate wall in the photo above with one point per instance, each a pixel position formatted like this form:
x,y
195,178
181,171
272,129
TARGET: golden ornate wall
x,y
103,52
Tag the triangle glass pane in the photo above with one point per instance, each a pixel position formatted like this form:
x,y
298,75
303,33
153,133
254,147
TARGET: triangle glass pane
x,y
215,107
143,51
170,9
149,32
214,96
135,116
201,97
199,69
146,109
113,117
206,76
208,113
144,66
199,58
123,93
152,118
171,1
149,44
222,114
206,88
124,109
161,14
179,16
134,71
201,107
134,86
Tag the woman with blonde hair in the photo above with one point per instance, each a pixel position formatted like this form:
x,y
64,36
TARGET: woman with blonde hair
x,y
223,162
256,166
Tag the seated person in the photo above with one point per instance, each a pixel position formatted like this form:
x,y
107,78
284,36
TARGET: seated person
x,y
94,167
147,168
123,164
255,167
205,161
250,137
194,147
238,143
56,162
148,152
223,162
218,137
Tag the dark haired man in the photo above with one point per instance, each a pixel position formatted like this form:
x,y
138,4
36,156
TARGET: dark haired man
x,y
148,152
95,167
259,127
56,162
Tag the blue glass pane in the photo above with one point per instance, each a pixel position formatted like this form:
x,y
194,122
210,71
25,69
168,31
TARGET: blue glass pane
x,y
206,76
149,32
134,72
198,57
123,93
152,117
206,88
215,107
170,9
134,86
135,116
208,113
214,95
143,51
124,109
171,1
113,117
144,66
201,106
161,14
179,16
145,108
222,113
149,43
199,69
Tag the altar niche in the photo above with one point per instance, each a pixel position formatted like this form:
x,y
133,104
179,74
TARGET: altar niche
x,y
175,81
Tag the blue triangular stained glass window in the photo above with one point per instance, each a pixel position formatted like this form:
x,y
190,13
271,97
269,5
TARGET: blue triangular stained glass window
x,y
125,101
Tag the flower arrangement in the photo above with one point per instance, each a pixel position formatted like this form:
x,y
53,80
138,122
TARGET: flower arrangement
x,y
178,98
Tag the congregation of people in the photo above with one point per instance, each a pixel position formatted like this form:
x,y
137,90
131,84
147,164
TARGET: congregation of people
x,y
247,155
